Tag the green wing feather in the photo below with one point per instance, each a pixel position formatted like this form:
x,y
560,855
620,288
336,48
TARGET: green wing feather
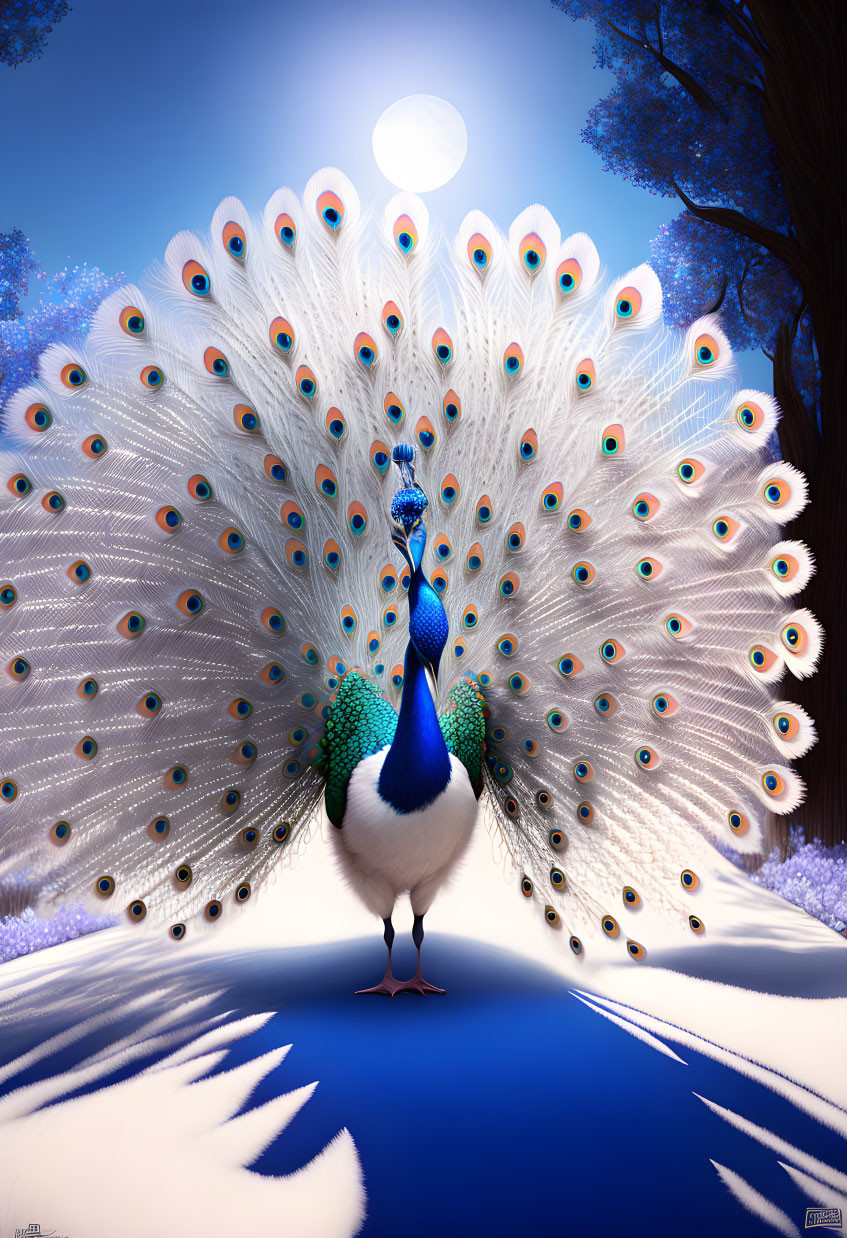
x,y
463,727
361,722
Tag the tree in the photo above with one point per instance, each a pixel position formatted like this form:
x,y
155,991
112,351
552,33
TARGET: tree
x,y
68,300
24,27
737,109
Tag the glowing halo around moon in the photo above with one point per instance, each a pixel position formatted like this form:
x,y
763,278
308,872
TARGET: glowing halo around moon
x,y
420,143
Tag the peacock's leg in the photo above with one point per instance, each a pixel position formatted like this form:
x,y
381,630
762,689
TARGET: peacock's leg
x,y
388,985
417,984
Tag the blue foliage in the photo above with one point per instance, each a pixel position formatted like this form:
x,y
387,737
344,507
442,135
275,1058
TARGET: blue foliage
x,y
685,114
811,876
67,302
24,27
25,931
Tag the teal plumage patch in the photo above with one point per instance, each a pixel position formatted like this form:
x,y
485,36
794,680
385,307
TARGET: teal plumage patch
x,y
463,728
360,723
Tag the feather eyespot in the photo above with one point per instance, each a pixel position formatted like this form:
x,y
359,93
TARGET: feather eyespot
x,y
405,234
215,362
773,782
158,829
231,541
152,377
575,944
677,626
176,777
326,484
357,519
568,275
696,924
306,382
606,705
664,705
750,416
296,554
234,239
336,424
776,492
330,209
281,335
452,407
397,675
230,800
569,664
518,683
557,878
583,573
508,644
612,440
631,897
149,705
470,616
244,753
458,647
551,498
725,528
528,448
332,555
578,520
195,279
380,456
86,748
513,360
240,708
291,514
95,446
586,375
634,949
628,304
442,547
199,487
79,572
648,569
761,658
104,887
273,620
19,485
502,772
787,726
132,625
690,471
242,892
213,909
583,771
439,581
533,253
646,758
515,538
19,668
38,417
499,734
511,806
484,510
168,519
738,823
509,585
557,720
310,654
645,506
479,252
286,229
689,880
388,578
526,886
365,350
131,320
784,567
183,876
73,376
552,917
442,346
475,558
394,410
425,434
706,351
392,319
348,620
556,838
246,418
610,926
450,490
8,790
794,638
374,643
612,651
60,833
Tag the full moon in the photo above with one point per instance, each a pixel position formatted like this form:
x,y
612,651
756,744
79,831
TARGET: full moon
x,y
420,143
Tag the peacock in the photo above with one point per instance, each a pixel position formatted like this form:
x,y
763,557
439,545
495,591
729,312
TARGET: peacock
x,y
332,519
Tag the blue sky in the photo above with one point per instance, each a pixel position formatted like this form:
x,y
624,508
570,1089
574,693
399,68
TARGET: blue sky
x,y
140,118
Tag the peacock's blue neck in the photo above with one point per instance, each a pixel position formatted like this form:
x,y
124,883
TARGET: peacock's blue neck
x,y
417,767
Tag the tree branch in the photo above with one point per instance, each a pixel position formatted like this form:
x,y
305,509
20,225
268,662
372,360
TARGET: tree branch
x,y
686,81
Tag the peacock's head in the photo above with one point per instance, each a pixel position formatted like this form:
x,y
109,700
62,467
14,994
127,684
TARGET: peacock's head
x,y
428,627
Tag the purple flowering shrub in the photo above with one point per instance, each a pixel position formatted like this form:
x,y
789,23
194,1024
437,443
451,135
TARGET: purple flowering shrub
x,y
22,930
811,876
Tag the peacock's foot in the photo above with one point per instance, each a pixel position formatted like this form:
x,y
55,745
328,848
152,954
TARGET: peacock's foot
x,y
388,986
418,985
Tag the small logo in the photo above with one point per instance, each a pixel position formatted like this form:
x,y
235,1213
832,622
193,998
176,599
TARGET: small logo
x,y
34,1230
816,1217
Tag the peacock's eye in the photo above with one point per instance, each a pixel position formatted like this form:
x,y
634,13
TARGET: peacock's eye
x,y
612,441
645,506
392,319
628,304
195,279
479,252
281,335
234,239
306,382
131,320
513,360
569,275
533,253
528,448
452,406
330,209
286,229
365,350
405,234
442,346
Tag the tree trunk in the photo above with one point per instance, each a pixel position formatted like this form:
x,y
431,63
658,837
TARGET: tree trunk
x,y
804,109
